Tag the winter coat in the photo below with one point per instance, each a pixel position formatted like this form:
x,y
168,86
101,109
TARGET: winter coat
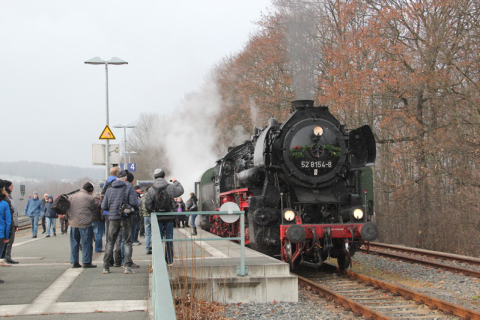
x,y
112,199
174,190
97,213
190,203
81,209
15,212
181,205
34,207
5,219
49,213
143,211
109,180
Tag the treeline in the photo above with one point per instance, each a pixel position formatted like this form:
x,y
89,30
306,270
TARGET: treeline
x,y
409,69
40,171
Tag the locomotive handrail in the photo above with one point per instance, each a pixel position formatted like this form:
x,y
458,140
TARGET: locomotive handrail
x,y
242,270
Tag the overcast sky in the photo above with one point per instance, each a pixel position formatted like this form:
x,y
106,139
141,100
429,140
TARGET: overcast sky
x,y
53,105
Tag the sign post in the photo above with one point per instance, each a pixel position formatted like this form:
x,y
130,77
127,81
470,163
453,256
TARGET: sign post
x,y
108,135
131,167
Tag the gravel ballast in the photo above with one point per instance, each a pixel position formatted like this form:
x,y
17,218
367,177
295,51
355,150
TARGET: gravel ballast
x,y
452,287
441,284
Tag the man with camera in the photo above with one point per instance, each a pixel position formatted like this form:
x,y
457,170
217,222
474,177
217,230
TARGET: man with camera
x,y
154,195
120,200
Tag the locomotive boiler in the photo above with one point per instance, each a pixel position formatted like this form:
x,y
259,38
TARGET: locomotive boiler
x,y
305,184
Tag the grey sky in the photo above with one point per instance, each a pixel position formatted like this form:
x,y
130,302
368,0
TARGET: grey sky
x,y
53,105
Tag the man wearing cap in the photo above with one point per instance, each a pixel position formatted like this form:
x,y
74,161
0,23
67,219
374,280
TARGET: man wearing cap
x,y
33,209
80,215
119,193
164,222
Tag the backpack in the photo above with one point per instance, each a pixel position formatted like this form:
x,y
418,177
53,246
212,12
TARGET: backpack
x,y
162,201
62,204
106,186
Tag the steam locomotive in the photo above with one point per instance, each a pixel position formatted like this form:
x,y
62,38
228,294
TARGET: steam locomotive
x,y
305,184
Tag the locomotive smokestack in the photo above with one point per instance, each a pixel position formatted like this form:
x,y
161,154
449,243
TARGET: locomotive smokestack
x,y
301,104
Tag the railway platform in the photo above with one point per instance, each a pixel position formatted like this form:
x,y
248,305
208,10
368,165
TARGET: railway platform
x,y
45,286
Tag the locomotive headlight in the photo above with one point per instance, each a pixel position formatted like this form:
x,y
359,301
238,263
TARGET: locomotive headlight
x,y
358,214
288,214
318,131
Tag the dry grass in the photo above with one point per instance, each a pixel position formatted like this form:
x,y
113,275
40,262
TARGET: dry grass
x,y
191,290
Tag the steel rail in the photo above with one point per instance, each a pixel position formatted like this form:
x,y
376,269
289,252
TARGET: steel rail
x,y
423,252
465,271
416,296
345,302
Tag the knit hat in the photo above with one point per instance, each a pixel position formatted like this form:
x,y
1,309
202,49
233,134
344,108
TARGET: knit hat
x,y
159,173
138,188
88,186
122,174
130,177
35,192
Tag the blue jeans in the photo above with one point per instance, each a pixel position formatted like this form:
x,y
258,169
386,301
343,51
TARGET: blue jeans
x,y
115,227
148,233
193,220
34,223
166,229
51,222
85,237
135,228
98,229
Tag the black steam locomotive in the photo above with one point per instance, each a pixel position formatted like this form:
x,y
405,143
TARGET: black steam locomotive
x,y
305,184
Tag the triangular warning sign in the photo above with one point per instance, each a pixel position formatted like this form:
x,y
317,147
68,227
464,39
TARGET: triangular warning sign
x,y
107,134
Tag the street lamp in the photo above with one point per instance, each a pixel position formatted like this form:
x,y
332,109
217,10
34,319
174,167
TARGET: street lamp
x,y
116,61
125,142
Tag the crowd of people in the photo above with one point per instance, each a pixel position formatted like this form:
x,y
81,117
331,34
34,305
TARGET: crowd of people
x,y
121,212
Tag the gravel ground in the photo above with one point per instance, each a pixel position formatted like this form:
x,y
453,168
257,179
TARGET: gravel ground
x,y
309,306
441,284
445,285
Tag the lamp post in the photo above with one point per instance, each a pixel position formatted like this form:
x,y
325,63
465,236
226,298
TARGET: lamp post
x,y
125,142
129,153
116,61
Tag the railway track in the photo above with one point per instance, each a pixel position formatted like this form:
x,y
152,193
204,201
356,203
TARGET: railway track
x,y
376,299
24,223
470,266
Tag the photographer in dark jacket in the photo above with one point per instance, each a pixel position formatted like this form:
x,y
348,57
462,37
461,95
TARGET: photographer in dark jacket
x,y
111,202
164,222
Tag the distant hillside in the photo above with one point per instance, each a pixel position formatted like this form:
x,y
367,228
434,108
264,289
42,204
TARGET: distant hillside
x,y
46,172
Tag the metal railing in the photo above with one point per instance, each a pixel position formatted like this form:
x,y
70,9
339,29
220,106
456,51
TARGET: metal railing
x,y
162,298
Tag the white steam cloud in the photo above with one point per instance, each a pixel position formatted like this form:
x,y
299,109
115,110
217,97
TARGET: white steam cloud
x,y
190,138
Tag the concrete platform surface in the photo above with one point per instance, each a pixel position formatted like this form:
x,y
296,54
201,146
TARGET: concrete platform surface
x,y
44,286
